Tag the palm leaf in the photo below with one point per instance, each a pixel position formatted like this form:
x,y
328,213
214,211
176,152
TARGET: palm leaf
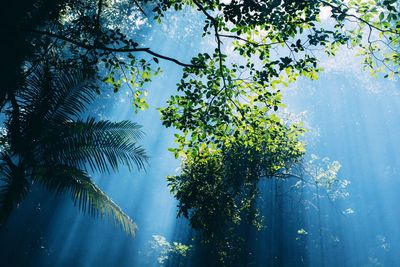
x,y
98,145
34,97
85,194
52,97
13,187
74,91
49,102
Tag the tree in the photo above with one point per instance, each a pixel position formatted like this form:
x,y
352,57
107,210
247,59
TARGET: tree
x,y
218,190
46,143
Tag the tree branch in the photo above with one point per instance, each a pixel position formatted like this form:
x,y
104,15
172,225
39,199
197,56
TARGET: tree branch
x,y
247,41
140,7
111,49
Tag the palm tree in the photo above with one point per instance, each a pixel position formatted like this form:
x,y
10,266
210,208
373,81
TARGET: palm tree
x,y
46,143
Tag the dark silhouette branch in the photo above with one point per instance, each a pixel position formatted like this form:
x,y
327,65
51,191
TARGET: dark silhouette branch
x,y
140,7
247,41
111,49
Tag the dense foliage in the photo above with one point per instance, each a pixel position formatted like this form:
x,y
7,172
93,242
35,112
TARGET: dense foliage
x,y
218,190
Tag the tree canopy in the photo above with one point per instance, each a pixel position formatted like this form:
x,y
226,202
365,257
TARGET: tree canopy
x,y
276,42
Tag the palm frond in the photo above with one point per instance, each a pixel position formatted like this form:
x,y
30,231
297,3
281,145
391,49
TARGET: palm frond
x,y
85,194
58,150
51,96
35,95
13,187
74,91
99,145
126,128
